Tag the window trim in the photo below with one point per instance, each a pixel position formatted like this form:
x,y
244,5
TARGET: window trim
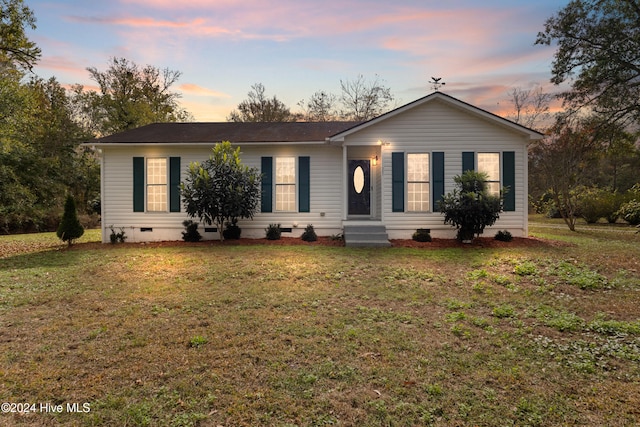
x,y
147,185
428,182
293,184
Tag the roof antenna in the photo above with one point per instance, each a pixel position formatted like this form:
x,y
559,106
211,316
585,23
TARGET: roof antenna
x,y
435,83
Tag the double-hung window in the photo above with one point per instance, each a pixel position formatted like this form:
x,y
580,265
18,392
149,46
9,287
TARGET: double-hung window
x,y
285,184
418,182
489,163
157,184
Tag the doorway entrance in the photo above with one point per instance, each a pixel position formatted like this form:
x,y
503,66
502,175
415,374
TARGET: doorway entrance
x,y
359,187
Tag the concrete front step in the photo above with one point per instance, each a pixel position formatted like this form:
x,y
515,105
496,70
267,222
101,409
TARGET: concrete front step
x,y
366,236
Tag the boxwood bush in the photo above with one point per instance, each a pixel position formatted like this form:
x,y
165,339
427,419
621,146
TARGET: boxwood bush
x,y
273,232
309,234
422,235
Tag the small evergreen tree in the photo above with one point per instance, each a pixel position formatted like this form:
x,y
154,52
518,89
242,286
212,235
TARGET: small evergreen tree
x,y
70,227
191,233
309,234
470,207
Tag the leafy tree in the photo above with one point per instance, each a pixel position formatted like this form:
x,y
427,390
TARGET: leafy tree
x,y
70,227
563,161
617,156
221,189
40,157
364,100
15,47
597,46
470,207
259,108
130,96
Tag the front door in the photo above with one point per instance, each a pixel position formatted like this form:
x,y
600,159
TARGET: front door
x,y
359,187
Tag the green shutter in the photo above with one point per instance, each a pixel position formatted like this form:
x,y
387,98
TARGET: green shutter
x,y
509,180
138,184
304,188
174,184
397,181
438,179
266,198
468,161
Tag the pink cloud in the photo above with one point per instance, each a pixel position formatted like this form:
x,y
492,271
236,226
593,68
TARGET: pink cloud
x,y
286,20
206,112
136,22
196,90
60,63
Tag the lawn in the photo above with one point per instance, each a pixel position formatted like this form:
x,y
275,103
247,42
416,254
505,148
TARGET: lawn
x,y
307,335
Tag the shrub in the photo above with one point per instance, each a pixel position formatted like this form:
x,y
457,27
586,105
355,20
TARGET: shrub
x,y
232,231
273,232
470,207
119,237
422,235
630,212
221,189
191,233
503,236
596,203
309,234
70,227
545,205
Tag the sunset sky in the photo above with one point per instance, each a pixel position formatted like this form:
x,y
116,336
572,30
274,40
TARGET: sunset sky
x,y
481,49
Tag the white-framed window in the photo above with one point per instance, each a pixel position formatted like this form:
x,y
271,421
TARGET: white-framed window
x,y
157,188
285,184
489,163
418,182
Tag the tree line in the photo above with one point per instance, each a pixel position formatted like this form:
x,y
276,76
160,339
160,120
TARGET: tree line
x,y
359,100
43,124
592,143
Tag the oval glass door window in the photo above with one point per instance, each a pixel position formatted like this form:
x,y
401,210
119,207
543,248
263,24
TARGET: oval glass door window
x,y
358,179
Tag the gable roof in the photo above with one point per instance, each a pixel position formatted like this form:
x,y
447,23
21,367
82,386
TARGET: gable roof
x,y
450,100
209,133
284,132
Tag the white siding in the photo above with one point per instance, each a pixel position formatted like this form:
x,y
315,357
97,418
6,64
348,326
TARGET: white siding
x,y
440,127
117,199
434,126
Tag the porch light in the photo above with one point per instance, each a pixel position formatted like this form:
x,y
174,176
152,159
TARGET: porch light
x,y
375,161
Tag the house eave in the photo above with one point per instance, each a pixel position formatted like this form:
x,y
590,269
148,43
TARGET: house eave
x,y
197,144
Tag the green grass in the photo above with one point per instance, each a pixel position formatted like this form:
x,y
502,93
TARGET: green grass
x,y
209,334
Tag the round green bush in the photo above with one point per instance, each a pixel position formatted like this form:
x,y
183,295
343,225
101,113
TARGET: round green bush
x,y
273,232
503,236
309,234
232,231
191,233
630,212
596,203
422,235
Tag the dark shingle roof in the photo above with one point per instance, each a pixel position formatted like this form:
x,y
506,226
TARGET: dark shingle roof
x,y
184,133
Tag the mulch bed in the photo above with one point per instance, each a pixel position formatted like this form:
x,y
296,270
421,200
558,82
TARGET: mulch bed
x,y
481,242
